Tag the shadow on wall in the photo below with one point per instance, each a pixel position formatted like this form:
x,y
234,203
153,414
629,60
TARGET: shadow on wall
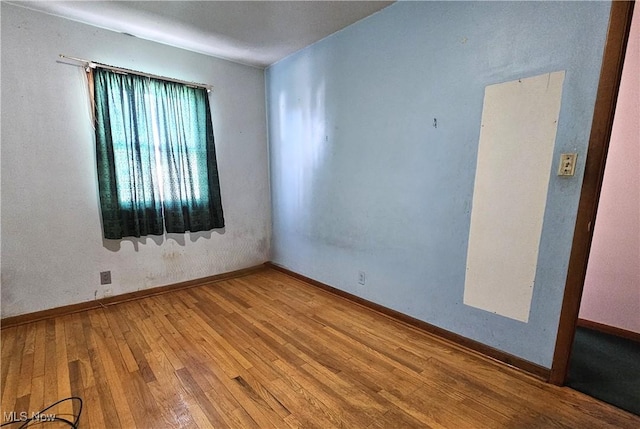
x,y
115,245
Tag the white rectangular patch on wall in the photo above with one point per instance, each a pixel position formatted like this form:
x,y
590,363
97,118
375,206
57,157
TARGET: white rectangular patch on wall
x,y
515,153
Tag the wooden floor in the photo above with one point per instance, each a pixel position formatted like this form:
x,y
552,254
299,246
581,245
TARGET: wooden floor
x,y
269,351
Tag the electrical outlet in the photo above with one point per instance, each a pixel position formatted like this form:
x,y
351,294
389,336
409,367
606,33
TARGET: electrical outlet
x,y
105,277
362,277
107,293
567,164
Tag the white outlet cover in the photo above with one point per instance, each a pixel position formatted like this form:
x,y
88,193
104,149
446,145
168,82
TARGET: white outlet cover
x,y
362,277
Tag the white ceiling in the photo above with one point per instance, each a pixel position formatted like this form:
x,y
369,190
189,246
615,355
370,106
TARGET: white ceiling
x,y
257,33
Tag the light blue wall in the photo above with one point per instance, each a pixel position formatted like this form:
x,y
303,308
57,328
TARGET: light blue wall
x,y
362,181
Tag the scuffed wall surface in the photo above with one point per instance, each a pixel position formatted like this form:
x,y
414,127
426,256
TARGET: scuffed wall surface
x,y
363,181
52,247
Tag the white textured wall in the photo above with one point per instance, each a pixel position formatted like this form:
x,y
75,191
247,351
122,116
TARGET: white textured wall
x,y
52,247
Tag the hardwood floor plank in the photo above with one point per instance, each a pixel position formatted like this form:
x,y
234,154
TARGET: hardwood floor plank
x,y
104,381
26,374
151,330
305,416
199,417
338,411
50,366
270,351
253,404
396,418
114,366
232,394
242,419
220,341
93,409
8,339
22,405
36,402
9,394
168,393
146,410
195,391
62,366
259,383
349,390
115,325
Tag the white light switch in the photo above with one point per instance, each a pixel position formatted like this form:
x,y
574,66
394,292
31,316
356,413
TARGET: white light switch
x,y
567,164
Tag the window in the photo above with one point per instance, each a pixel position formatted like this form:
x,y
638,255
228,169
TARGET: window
x,y
156,157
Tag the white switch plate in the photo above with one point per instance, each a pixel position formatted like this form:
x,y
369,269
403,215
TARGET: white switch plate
x,y
567,164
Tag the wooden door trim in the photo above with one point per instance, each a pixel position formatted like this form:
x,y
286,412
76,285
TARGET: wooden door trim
x,y
607,95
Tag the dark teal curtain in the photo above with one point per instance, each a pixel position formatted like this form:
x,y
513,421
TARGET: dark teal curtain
x,y
156,157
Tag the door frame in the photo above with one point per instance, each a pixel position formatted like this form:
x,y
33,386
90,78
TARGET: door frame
x,y
607,95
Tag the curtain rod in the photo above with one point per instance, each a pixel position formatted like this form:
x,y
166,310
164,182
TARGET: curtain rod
x,y
94,64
